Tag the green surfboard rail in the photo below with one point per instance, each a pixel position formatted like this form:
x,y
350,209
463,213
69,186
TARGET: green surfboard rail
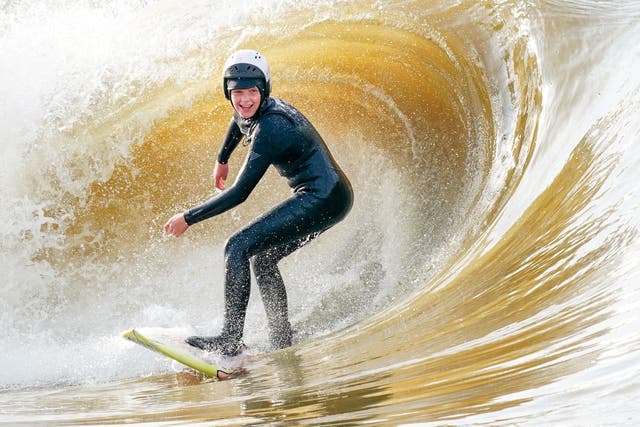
x,y
177,355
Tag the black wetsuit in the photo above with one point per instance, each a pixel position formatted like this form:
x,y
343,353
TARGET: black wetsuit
x,y
281,136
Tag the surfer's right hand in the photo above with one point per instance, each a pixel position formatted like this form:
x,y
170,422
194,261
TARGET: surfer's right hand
x,y
220,172
176,225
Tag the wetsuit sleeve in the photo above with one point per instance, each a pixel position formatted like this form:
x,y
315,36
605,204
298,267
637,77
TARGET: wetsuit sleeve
x,y
230,142
252,171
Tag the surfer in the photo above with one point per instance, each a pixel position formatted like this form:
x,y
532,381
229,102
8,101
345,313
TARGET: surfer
x,y
276,134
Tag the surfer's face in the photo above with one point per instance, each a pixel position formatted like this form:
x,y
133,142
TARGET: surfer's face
x,y
246,101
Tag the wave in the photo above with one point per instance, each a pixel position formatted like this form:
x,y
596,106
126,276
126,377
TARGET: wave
x,y
488,263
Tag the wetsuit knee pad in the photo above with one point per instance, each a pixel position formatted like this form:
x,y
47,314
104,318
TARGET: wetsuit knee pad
x,y
239,244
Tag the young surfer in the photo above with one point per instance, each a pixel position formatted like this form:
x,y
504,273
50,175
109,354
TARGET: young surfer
x,y
276,134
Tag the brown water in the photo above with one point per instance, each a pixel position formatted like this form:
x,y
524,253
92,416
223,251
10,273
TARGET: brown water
x,y
487,275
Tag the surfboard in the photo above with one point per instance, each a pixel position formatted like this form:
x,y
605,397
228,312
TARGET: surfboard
x,y
182,356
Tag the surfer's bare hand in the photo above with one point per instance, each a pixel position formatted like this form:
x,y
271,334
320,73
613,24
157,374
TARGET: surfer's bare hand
x,y
176,225
220,172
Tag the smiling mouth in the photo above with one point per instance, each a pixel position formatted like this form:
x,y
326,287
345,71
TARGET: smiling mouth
x,y
244,109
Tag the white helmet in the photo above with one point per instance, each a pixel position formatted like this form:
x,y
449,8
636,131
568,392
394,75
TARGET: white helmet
x,y
246,68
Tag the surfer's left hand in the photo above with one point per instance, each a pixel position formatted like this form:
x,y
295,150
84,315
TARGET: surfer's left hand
x,y
176,225
220,173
